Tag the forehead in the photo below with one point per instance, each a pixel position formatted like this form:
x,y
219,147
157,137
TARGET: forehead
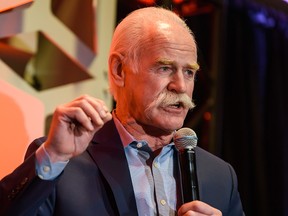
x,y
169,42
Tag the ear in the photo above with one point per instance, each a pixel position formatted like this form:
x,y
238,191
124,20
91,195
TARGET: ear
x,y
116,69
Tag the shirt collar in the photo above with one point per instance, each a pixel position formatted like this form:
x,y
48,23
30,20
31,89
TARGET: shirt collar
x,y
125,136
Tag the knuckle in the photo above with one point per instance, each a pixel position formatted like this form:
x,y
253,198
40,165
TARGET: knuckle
x,y
84,96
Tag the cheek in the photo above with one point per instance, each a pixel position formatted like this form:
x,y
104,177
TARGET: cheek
x,y
153,88
150,102
149,99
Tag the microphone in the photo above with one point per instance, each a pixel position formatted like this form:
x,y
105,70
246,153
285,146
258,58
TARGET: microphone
x,y
185,141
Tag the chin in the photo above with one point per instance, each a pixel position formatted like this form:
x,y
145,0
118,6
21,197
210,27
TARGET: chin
x,y
171,125
166,122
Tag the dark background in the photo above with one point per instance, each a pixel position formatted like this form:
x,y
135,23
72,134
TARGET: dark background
x,y
241,91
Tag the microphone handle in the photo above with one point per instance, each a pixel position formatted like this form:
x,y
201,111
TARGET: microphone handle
x,y
189,182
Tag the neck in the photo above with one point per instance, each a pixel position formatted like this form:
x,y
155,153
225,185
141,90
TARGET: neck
x,y
156,138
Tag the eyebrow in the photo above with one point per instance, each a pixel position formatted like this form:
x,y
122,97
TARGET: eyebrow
x,y
194,66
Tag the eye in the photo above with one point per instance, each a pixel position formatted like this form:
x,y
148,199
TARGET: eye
x,y
189,74
165,69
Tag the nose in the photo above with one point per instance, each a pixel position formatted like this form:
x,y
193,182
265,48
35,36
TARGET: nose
x,y
177,83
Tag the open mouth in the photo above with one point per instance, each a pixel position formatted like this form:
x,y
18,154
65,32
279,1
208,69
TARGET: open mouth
x,y
177,105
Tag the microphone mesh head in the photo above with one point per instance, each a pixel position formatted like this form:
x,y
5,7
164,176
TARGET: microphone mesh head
x,y
185,138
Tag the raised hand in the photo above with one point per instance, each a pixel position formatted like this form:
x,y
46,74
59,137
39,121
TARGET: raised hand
x,y
73,126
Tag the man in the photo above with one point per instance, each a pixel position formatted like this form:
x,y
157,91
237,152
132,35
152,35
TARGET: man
x,y
125,163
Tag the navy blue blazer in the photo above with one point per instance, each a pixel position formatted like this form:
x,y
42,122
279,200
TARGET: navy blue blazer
x,y
98,182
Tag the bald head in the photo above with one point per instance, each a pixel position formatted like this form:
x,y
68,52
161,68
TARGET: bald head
x,y
144,26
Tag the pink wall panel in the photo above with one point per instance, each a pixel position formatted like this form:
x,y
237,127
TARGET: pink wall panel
x,y
21,120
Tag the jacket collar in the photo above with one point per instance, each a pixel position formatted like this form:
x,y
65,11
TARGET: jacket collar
x,y
108,153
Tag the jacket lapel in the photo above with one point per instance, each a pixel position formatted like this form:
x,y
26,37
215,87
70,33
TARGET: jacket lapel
x,y
108,153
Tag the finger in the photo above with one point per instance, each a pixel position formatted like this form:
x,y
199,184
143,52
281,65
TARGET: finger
x,y
193,213
97,105
199,207
76,117
95,110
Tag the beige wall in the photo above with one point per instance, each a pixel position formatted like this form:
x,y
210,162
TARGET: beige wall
x,y
23,109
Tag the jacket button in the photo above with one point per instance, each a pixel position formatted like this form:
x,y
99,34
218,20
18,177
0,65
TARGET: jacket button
x,y
24,181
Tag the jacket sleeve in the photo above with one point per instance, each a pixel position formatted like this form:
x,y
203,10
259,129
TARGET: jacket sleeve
x,y
235,207
218,185
22,192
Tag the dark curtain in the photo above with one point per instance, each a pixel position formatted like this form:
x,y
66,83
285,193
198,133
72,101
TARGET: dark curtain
x,y
254,105
252,97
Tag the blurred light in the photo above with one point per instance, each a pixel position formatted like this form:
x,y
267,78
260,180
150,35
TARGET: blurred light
x,y
207,116
178,1
261,17
147,2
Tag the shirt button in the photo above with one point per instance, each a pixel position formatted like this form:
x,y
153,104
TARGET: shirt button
x,y
155,165
46,169
163,202
139,145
